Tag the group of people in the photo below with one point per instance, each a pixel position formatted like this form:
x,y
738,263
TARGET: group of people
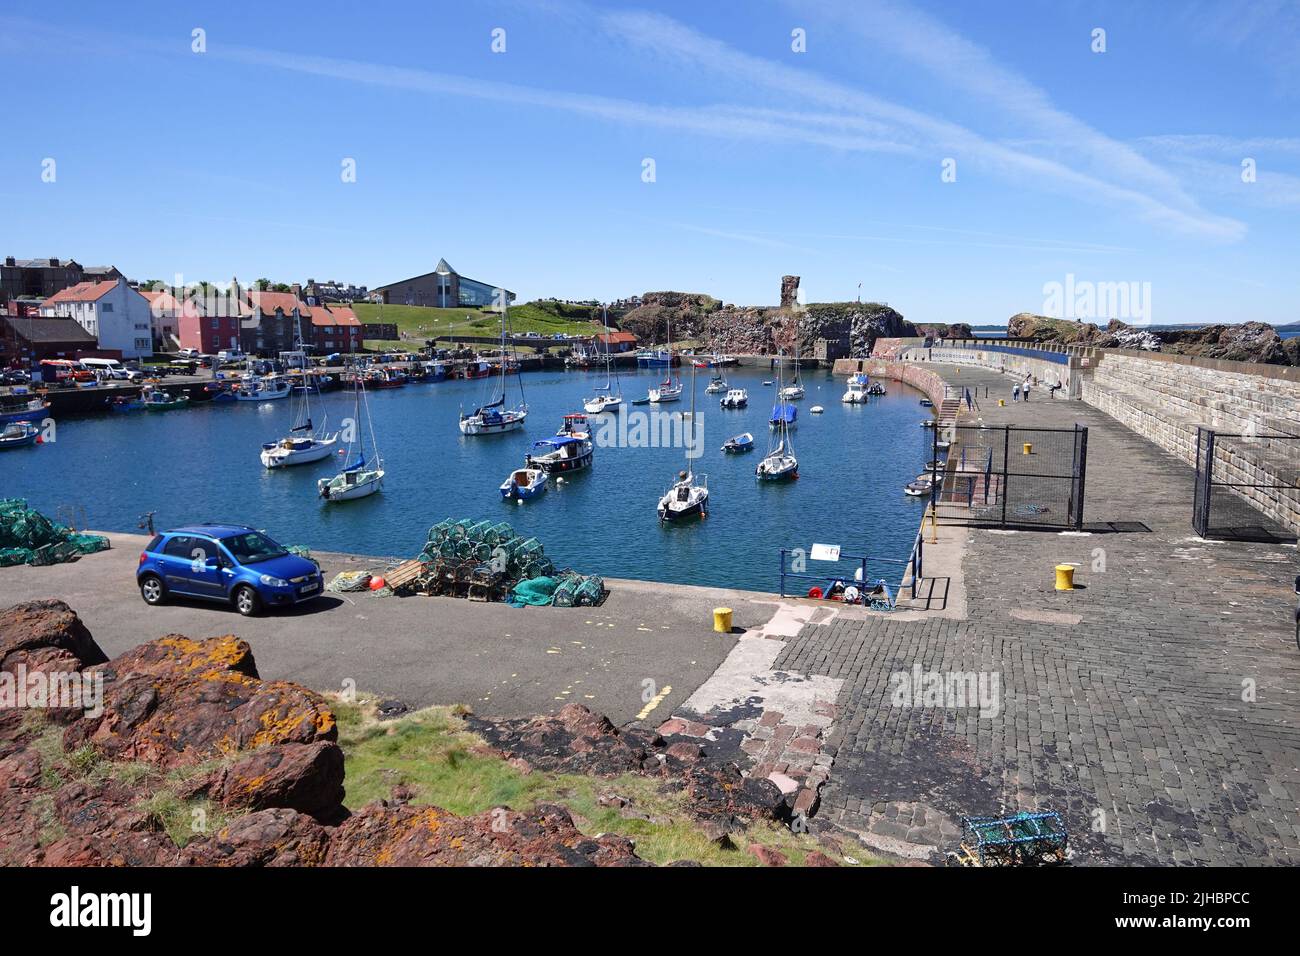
x,y
1023,388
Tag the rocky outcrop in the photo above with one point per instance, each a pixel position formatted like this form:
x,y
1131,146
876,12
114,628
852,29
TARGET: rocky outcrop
x,y
380,835
580,741
1247,342
682,312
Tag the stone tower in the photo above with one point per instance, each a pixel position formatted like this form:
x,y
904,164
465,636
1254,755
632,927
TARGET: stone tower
x,y
789,291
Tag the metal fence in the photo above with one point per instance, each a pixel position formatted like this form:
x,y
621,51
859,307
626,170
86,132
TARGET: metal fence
x,y
1247,486
1008,476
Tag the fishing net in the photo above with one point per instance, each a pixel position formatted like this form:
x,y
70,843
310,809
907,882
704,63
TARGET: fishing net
x,y
28,537
535,592
349,581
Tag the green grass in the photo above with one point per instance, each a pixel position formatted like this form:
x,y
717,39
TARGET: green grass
x,y
426,323
433,753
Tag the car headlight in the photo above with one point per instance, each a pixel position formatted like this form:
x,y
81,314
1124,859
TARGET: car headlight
x,y
274,582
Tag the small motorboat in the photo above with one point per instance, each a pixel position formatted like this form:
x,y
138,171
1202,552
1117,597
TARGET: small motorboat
x,y
717,384
919,488
816,410
561,454
942,444
739,443
876,389
18,435
768,382
939,464
124,405
523,484
29,411
256,389
929,423
926,403
160,401
735,398
641,401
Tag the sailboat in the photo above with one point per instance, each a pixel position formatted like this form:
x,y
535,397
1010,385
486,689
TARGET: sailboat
x,y
359,477
494,418
304,443
667,391
613,397
780,463
689,496
794,391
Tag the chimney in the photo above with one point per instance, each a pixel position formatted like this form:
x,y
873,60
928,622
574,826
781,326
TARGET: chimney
x,y
297,290
9,261
54,263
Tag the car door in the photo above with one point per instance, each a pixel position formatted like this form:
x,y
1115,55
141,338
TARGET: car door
x,y
187,566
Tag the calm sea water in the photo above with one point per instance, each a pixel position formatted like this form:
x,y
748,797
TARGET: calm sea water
x,y
201,464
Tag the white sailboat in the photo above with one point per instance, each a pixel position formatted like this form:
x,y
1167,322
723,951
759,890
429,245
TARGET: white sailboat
x,y
494,418
794,391
304,443
779,464
688,497
667,391
359,477
612,399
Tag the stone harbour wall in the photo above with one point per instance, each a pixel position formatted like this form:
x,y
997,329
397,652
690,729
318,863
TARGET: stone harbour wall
x,y
1165,398
1016,365
922,379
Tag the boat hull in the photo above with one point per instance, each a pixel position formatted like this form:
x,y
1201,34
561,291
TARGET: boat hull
x,y
262,395
367,484
660,396
675,515
474,425
279,457
784,471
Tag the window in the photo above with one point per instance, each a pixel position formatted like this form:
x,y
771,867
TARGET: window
x,y
107,307
251,547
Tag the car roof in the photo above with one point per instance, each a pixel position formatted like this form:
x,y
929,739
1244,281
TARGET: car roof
x,y
211,530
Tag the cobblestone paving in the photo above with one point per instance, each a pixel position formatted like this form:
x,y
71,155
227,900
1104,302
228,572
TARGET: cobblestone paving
x,y
1121,702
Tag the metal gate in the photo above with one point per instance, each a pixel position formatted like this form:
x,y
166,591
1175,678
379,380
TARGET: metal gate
x,y
1008,476
1247,486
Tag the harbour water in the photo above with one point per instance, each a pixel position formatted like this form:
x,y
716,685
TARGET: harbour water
x,y
201,464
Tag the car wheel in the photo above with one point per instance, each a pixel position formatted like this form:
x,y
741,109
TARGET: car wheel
x,y
152,589
247,601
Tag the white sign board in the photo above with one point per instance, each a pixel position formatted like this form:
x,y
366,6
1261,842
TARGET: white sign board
x,y
825,552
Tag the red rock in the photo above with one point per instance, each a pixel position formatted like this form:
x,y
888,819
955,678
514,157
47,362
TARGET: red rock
x,y
806,802
272,837
817,858
770,718
686,752
303,777
806,745
766,855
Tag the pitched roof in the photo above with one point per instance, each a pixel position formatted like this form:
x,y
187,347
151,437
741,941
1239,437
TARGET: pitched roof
x,y
270,301
443,268
82,292
338,315
40,331
616,337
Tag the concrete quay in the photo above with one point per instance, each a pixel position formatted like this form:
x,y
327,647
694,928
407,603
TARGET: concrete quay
x,y
1155,707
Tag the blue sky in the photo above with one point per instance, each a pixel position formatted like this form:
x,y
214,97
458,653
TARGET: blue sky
x,y
525,167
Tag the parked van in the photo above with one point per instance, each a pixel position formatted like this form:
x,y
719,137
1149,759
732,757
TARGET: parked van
x,y
109,368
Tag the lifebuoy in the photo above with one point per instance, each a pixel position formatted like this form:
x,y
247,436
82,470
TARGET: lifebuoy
x,y
814,593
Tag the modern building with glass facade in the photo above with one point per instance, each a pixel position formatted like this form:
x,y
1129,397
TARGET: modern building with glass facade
x,y
443,288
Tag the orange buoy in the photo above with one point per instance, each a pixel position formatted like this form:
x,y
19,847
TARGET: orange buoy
x,y
377,584
814,592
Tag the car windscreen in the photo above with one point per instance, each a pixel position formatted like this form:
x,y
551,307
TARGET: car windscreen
x,y
251,547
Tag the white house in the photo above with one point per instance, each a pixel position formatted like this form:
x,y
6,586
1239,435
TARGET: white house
x,y
117,315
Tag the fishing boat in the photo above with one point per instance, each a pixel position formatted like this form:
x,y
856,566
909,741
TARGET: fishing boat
x,y
159,401
611,398
18,435
494,418
254,388
735,398
28,411
385,376
779,464
358,478
816,410
654,358
688,497
857,390
739,443
561,454
718,360
876,389
926,403
124,405
304,443
716,384
524,483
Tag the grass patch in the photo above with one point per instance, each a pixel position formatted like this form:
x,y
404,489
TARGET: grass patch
x,y
545,318
433,753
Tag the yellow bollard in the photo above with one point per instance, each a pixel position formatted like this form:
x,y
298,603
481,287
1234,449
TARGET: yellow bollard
x,y
1029,448
722,620
1002,403
1065,577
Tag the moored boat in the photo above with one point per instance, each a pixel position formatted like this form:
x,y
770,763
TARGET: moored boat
x,y
735,398
857,390
160,401
688,497
254,388
717,384
18,435
359,478
28,411
739,443
524,483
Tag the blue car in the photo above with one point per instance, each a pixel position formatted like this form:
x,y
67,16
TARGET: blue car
x,y
230,563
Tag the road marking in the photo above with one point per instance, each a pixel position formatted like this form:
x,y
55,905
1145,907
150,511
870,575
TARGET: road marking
x,y
658,699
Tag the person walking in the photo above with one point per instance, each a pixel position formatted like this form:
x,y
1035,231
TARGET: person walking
x,y
1026,391
1015,392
